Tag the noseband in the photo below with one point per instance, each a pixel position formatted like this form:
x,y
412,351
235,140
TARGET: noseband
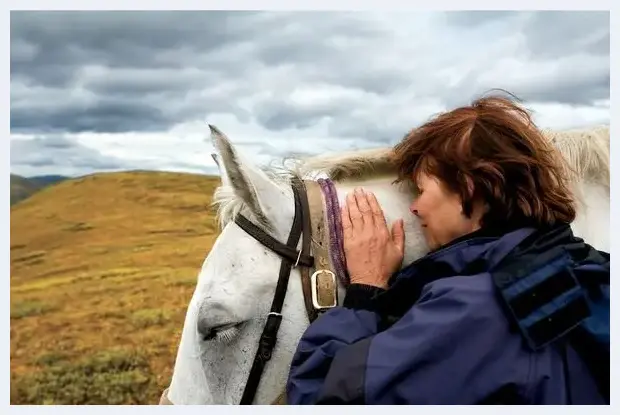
x,y
320,289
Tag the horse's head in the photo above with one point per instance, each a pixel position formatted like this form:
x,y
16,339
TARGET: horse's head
x,y
235,288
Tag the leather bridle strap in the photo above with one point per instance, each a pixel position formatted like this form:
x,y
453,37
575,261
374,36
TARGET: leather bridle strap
x,y
286,251
304,223
290,256
306,284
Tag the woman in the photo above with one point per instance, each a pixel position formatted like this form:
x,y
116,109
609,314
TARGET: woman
x,y
493,204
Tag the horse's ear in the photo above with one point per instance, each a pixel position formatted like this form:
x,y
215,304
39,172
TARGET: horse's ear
x,y
216,162
248,181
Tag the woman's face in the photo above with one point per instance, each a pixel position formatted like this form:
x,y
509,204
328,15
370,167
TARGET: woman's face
x,y
440,212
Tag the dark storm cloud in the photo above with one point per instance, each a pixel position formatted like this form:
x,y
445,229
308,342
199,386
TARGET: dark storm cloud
x,y
380,132
140,63
309,37
576,43
277,114
53,151
160,61
63,41
148,71
107,115
136,66
53,141
549,34
569,87
571,84
552,34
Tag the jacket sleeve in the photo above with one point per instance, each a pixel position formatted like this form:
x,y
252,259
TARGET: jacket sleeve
x,y
448,348
330,333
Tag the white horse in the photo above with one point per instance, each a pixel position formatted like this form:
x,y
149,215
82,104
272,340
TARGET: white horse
x,y
236,284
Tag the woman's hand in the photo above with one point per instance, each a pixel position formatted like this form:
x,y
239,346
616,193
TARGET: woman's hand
x,y
372,253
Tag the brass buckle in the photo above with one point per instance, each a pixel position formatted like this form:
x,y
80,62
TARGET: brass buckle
x,y
324,289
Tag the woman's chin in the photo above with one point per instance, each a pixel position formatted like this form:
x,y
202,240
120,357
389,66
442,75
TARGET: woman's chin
x,y
430,242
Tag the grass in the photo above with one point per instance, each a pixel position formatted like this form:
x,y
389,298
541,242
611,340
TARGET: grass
x,y
28,308
102,271
149,317
113,377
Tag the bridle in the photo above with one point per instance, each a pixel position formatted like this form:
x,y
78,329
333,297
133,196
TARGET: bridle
x,y
320,289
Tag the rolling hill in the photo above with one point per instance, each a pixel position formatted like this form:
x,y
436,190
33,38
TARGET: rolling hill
x,y
102,270
24,187
47,180
21,188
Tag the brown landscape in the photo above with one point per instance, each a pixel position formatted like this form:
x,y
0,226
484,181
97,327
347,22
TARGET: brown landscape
x,y
102,270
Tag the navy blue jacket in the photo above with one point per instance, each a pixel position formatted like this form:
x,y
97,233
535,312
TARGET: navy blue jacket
x,y
440,341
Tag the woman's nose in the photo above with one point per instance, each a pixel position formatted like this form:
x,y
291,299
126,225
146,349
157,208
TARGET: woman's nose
x,y
413,209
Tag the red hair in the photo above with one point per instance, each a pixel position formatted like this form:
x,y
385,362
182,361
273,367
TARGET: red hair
x,y
491,151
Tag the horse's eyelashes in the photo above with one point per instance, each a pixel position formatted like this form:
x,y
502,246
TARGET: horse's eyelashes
x,y
224,332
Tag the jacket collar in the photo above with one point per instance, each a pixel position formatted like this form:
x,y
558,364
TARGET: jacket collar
x,y
471,254
468,249
468,255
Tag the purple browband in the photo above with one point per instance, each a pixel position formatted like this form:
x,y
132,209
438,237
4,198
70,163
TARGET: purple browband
x,y
336,241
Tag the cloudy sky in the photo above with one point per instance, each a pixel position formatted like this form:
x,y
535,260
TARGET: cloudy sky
x,y
102,91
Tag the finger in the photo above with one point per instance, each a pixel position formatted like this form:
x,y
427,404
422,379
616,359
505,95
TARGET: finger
x,y
346,221
354,212
376,210
364,207
398,235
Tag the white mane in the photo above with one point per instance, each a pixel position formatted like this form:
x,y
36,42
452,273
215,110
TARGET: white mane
x,y
585,151
228,204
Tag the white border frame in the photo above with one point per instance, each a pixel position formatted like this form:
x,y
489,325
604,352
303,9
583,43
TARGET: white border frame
x,y
282,4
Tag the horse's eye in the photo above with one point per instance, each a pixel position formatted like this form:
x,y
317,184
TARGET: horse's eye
x,y
210,335
223,332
